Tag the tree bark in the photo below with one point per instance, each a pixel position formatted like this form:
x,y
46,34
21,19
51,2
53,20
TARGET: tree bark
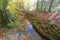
x,y
41,5
51,5
37,5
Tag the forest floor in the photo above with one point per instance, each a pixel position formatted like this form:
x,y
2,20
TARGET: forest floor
x,y
16,34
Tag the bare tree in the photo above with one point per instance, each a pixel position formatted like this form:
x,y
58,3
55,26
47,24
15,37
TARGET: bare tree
x,y
42,4
51,5
37,5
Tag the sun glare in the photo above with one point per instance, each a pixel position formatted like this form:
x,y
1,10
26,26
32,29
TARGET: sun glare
x,y
33,1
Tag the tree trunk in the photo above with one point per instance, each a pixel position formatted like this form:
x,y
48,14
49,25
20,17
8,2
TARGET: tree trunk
x,y
37,5
41,5
51,5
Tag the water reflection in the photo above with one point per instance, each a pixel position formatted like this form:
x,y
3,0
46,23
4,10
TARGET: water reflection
x,y
28,34
33,33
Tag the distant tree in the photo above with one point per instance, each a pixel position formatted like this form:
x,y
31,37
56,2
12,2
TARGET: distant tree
x,y
51,5
42,4
37,5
